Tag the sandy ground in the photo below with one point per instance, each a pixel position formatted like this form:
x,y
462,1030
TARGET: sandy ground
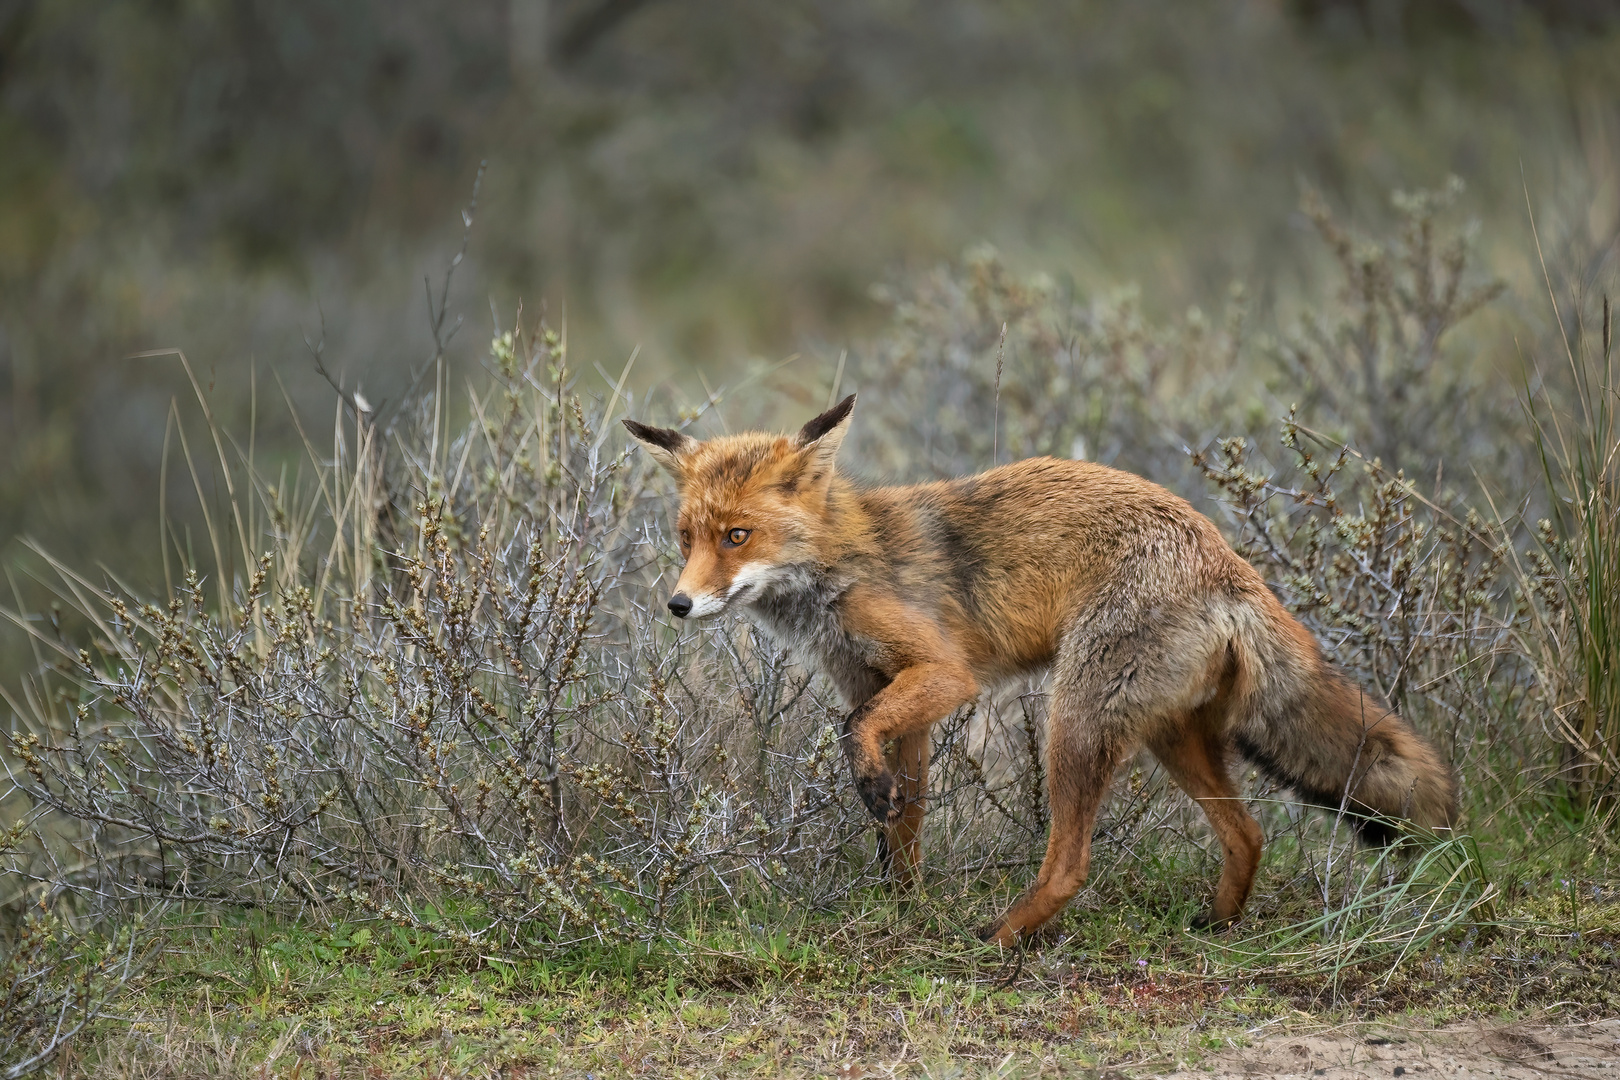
x,y
1524,1051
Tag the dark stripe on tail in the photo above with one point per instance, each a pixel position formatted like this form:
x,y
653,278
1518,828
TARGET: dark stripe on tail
x,y
1375,831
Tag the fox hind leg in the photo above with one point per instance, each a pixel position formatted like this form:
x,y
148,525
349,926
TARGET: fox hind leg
x,y
902,838
1197,760
1114,683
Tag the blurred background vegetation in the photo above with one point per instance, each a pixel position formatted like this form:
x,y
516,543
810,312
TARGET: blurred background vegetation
x,y
728,184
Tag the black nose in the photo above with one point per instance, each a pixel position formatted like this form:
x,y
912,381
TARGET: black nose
x,y
680,604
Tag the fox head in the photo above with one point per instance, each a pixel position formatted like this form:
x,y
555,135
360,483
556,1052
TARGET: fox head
x,y
751,506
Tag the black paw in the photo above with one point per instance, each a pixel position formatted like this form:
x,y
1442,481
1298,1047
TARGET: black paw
x,y
881,793
1206,920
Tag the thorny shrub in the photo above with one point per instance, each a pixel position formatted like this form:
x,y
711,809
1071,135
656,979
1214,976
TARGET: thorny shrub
x,y
1382,367
54,980
429,684
982,366
1451,615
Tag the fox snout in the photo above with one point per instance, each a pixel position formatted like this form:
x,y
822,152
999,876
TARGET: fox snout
x,y
685,605
698,596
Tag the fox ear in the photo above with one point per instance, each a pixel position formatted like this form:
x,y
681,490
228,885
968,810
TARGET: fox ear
x,y
819,440
667,446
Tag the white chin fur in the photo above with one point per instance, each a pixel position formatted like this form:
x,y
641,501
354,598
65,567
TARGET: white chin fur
x,y
706,604
751,580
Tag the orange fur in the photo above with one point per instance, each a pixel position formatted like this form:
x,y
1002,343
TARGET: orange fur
x,y
910,599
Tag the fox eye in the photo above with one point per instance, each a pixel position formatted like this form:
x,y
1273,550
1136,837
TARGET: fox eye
x,y
686,539
737,537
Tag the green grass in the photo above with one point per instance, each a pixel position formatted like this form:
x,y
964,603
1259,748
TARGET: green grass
x,y
767,990
1580,457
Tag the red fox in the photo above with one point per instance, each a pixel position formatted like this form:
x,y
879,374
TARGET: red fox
x,y
1156,634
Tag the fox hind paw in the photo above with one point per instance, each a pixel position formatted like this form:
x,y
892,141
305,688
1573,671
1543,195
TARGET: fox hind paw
x,y
1206,920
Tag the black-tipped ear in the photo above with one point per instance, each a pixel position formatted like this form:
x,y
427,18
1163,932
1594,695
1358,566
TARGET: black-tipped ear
x,y
833,418
667,446
818,443
661,438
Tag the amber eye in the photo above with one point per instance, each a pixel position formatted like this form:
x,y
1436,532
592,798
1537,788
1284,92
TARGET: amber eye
x,y
686,539
736,537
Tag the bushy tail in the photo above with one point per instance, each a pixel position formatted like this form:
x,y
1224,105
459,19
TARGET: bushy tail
x,y
1337,746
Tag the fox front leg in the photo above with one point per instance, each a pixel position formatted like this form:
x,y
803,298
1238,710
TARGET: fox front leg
x,y
874,780
918,697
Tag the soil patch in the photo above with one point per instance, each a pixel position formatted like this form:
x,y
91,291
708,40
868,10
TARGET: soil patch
x,y
1521,1051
